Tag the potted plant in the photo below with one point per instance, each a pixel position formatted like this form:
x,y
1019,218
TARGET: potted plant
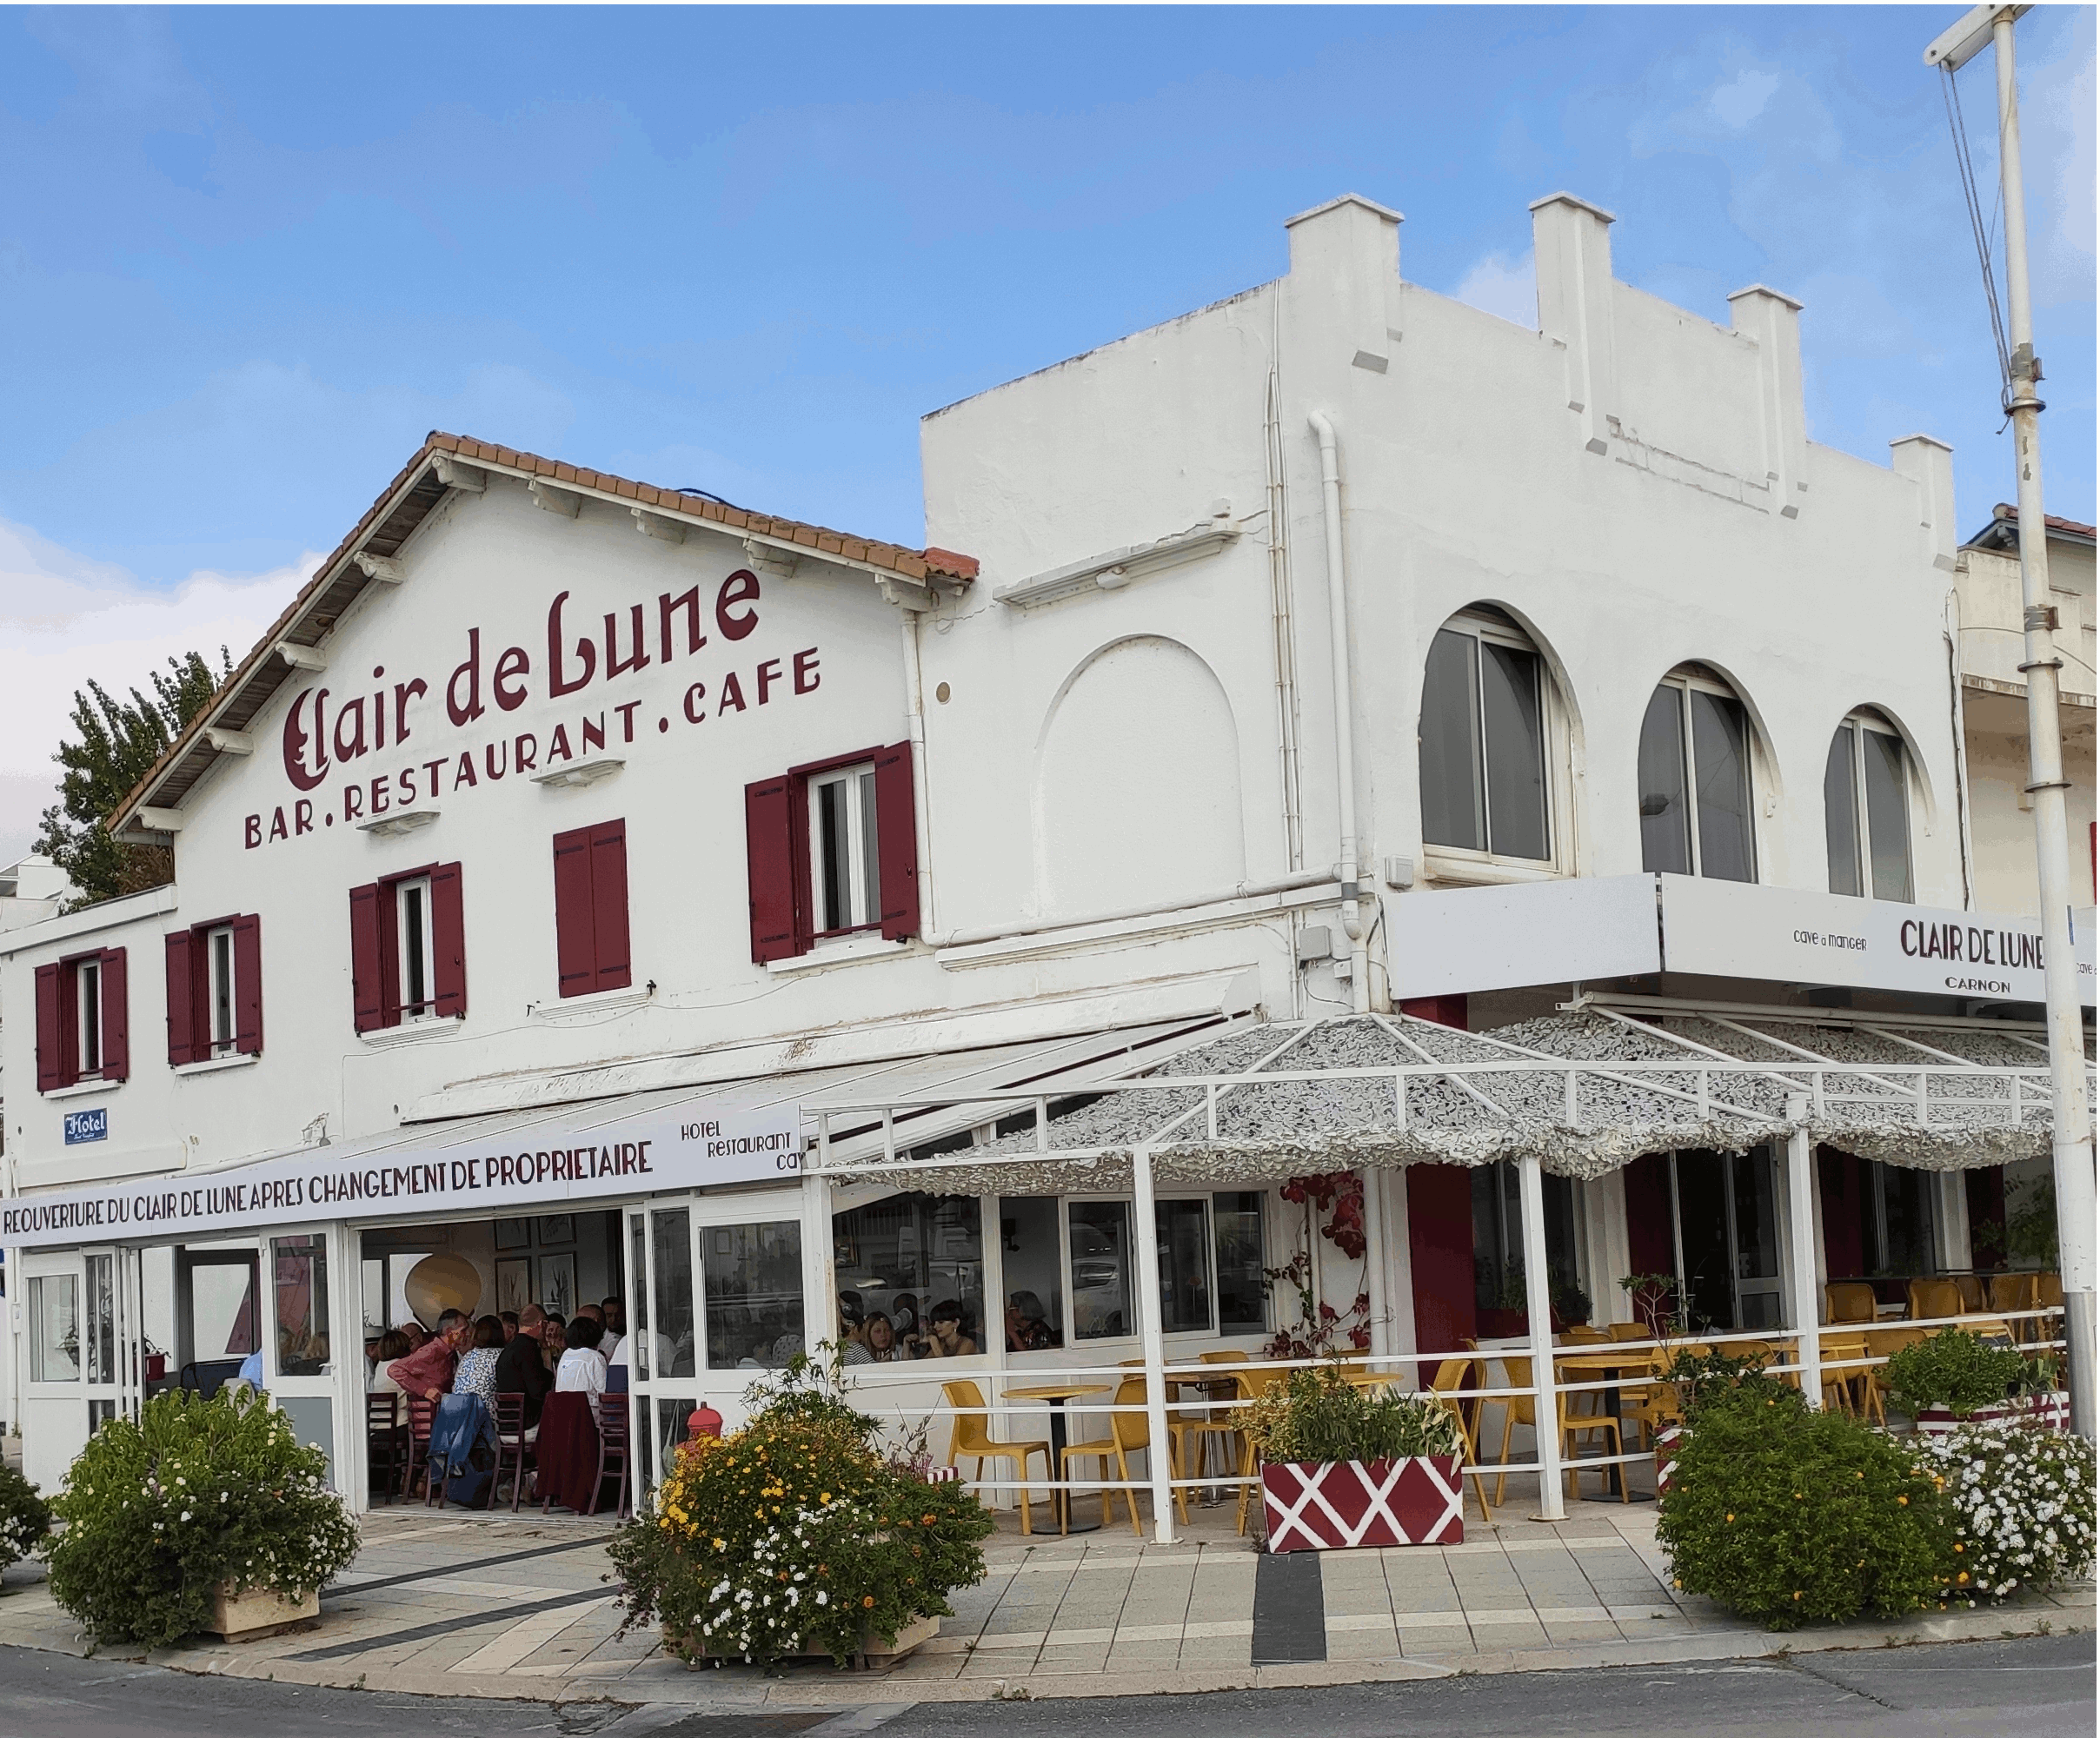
x,y
202,1513
1509,1315
796,1535
1957,1378
25,1517
1343,1465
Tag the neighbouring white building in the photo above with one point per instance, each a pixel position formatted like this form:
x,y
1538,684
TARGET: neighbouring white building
x,y
626,893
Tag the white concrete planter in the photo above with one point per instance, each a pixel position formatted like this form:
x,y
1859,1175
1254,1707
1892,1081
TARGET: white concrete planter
x,y
249,1615
913,1635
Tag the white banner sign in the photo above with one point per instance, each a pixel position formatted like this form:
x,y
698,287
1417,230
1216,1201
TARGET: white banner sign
x,y
1727,929
1447,942
689,1146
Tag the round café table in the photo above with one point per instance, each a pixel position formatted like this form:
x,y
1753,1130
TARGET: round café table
x,y
1056,1393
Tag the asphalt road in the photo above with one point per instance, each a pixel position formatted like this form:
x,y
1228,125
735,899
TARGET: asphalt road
x,y
2036,1687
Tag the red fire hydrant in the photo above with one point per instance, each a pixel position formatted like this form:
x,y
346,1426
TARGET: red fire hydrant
x,y
705,1422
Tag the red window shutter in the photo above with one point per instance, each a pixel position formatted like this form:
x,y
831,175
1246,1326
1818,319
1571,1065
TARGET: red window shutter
x,y
608,905
185,1022
896,841
247,985
448,941
778,921
575,952
50,1058
115,1016
367,999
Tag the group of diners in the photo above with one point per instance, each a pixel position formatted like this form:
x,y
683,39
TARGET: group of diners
x,y
870,1334
526,1352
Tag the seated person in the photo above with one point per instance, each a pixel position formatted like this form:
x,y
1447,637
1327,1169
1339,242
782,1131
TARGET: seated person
x,y
509,1319
476,1371
1026,1330
945,1336
881,1338
520,1369
853,1329
393,1344
582,1368
251,1369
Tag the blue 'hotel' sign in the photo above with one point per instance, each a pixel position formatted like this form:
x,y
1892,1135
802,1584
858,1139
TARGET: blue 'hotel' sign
x,y
87,1125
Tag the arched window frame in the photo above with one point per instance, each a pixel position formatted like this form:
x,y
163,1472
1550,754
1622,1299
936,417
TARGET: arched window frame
x,y
1461,865
1689,679
1866,881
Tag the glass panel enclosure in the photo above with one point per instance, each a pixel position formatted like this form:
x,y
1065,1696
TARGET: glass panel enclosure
x,y
1720,752
1033,1265
753,1275
55,1328
101,1338
1236,1220
1185,1283
670,1350
1101,1269
1664,814
904,1256
301,1266
1754,1226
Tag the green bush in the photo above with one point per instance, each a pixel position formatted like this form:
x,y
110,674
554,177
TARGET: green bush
x,y
25,1517
1790,1517
197,1492
1319,1416
795,1535
1957,1370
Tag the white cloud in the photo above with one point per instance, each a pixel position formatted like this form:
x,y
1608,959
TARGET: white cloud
x,y
64,618
1502,285
1740,100
2058,117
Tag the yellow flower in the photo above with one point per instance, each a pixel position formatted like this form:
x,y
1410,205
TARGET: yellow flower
x,y
868,1601
1797,1595
1903,1502
1731,1520
1963,1577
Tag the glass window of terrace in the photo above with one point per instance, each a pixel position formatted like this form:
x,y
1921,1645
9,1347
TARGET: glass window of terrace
x,y
1866,810
1483,740
1695,780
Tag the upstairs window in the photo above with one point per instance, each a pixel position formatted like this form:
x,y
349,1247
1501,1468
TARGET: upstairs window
x,y
832,850
591,947
1866,810
82,1021
408,948
215,991
1695,781
1483,741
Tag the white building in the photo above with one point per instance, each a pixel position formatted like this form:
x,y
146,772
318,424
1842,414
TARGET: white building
x,y
572,855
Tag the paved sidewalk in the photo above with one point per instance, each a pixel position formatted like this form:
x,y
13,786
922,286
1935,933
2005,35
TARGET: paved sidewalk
x,y
446,1603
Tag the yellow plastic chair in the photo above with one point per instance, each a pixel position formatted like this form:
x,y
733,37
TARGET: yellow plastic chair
x,y
1849,1300
973,1437
1970,1285
1130,1433
1253,1383
1931,1298
1453,1377
1522,1409
1582,1334
1629,1330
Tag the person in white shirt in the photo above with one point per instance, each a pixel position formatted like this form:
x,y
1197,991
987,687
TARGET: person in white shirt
x,y
583,1366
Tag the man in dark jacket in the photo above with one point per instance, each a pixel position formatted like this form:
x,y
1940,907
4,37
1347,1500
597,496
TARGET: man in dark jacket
x,y
520,1369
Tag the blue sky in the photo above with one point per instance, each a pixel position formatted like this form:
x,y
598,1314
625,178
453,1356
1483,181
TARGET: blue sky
x,y
249,256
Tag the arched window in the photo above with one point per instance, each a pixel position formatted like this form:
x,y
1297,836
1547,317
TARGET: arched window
x,y
1484,785
1695,780
1866,810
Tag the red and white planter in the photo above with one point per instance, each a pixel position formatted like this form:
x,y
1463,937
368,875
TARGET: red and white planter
x,y
1334,1505
1668,1440
2037,1411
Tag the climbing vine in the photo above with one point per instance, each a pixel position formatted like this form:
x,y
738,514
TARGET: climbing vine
x,y
1321,1330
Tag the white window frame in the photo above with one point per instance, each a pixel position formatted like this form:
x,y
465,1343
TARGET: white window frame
x,y
1458,863
88,1018
416,949
1688,682
220,991
863,904
1862,844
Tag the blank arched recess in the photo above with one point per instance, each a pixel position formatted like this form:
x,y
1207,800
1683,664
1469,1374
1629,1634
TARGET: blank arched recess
x,y
1137,783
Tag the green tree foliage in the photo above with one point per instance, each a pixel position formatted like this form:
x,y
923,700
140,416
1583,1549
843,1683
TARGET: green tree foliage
x,y
119,740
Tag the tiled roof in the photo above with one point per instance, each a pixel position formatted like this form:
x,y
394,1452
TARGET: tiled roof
x,y
404,505
2003,531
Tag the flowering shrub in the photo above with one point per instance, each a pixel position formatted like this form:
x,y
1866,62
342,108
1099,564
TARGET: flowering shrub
x,y
795,1535
2020,1505
197,1492
25,1517
1790,1516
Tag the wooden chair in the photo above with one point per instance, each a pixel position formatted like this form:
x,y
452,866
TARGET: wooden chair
x,y
612,1451
1130,1433
514,1442
1849,1300
973,1437
422,1413
1931,1299
388,1446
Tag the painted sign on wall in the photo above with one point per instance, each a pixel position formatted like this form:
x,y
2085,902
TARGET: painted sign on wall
x,y
87,1125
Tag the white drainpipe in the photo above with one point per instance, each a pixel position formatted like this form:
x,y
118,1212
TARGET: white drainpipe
x,y
923,819
1345,714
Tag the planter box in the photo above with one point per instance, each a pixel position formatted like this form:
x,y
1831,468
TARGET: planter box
x,y
2037,1411
249,1615
913,1635
1333,1505
1668,1440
